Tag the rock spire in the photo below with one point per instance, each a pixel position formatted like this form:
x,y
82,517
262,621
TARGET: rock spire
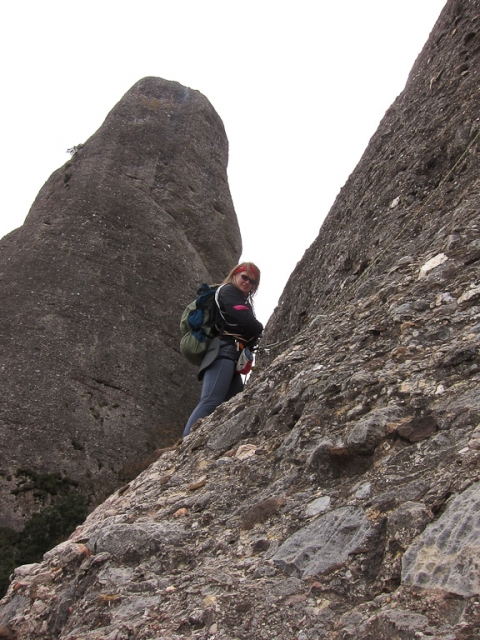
x,y
92,287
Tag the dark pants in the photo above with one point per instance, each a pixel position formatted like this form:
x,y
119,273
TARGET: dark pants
x,y
220,383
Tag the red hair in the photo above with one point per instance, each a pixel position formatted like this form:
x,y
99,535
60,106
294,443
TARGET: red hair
x,y
250,269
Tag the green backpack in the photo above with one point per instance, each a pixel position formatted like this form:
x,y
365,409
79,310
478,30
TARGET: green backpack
x,y
198,324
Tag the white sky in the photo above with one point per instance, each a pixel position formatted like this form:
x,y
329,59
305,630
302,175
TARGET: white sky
x,y
300,86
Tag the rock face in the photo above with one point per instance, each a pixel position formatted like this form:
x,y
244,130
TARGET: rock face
x,y
449,562
390,208
337,496
92,287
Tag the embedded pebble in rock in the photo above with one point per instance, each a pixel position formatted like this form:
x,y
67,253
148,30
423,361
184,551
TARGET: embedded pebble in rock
x,y
371,401
470,295
317,506
323,544
394,203
370,430
431,264
407,521
364,491
245,451
417,429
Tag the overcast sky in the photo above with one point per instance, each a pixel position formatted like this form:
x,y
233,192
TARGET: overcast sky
x,y
300,86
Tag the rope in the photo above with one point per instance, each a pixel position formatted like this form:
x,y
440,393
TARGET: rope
x,y
353,285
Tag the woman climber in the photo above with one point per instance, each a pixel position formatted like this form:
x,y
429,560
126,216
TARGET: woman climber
x,y
238,329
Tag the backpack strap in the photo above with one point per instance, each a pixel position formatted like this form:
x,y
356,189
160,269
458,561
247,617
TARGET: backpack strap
x,y
225,321
217,300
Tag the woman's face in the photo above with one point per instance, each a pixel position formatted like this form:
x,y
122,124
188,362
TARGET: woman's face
x,y
243,282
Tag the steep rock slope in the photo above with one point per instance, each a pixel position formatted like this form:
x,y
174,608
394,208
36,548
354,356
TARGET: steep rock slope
x,y
386,209
92,287
338,496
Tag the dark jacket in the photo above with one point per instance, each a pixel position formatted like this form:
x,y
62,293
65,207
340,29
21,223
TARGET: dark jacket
x,y
237,316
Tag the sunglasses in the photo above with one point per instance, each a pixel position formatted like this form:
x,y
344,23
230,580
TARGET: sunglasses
x,y
245,278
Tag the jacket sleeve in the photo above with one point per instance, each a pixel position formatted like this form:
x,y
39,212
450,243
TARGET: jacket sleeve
x,y
238,313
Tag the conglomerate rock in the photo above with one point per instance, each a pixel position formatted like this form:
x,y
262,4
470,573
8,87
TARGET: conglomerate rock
x,y
390,204
450,562
92,288
360,438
